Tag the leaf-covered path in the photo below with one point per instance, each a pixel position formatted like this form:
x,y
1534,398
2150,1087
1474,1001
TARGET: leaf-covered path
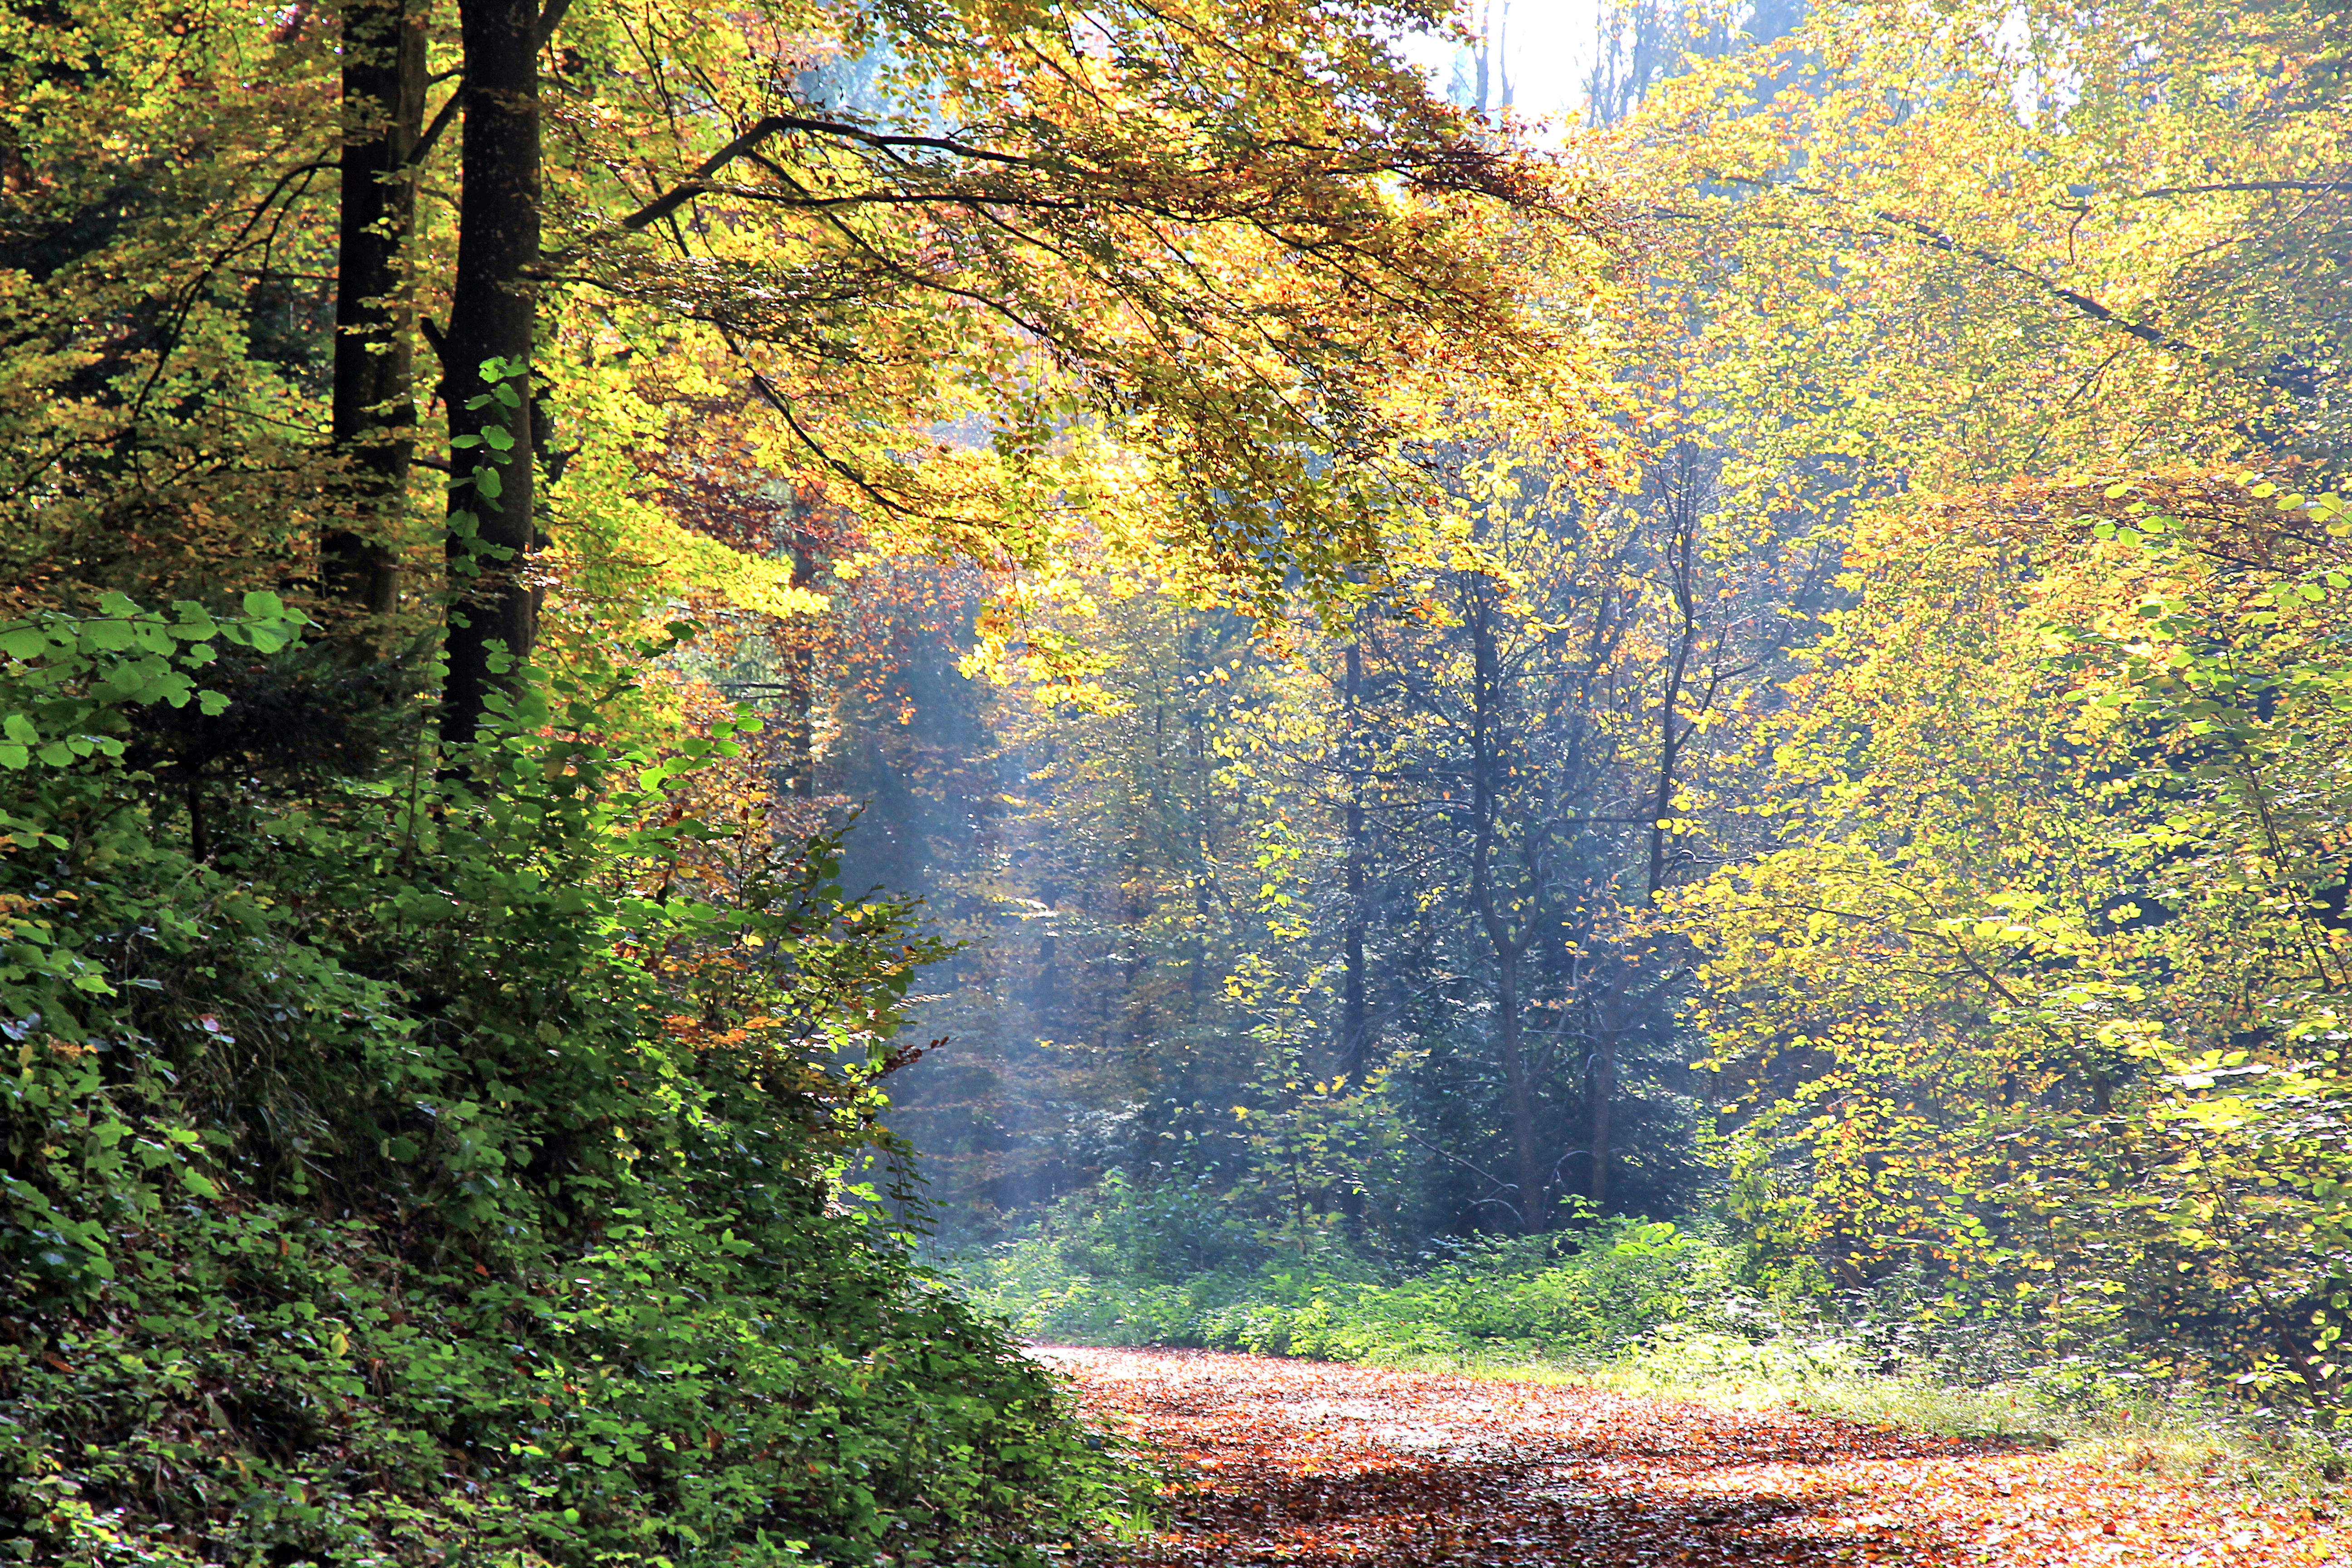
x,y
1312,1464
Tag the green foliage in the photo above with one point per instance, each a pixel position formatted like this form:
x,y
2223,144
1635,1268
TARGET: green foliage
x,y
1175,1268
73,678
453,1166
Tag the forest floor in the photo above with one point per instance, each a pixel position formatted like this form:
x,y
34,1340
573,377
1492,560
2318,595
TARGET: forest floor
x,y
1309,1464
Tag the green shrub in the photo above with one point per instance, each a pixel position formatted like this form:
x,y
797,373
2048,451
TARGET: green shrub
x,y
451,1167
1088,1274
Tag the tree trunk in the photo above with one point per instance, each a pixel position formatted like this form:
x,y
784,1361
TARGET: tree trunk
x,y
1353,1046
1488,769
800,685
1610,1015
1682,563
494,604
1674,733
1522,1093
375,415
1603,1068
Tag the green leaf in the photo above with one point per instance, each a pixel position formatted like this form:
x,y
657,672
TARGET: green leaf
x,y
24,643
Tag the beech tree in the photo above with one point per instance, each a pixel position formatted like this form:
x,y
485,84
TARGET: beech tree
x,y
2037,988
1908,245
1162,225
1175,270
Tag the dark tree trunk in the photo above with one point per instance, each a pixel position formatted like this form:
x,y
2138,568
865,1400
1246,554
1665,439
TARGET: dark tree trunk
x,y
1353,1046
492,317
1603,1068
1521,1089
800,688
1488,767
1674,730
199,846
374,414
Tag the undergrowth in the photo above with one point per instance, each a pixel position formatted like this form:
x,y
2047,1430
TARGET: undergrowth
x,y
424,1165
1647,1307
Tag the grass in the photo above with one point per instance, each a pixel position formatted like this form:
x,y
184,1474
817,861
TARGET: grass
x,y
2176,1434
1638,1307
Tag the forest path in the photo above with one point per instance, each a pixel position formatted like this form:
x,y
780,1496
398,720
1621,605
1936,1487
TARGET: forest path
x,y
1312,1464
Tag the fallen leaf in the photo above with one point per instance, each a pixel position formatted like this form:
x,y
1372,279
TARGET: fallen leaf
x,y
1315,1466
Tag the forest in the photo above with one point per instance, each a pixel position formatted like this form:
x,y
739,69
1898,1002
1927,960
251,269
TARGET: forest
x,y
719,722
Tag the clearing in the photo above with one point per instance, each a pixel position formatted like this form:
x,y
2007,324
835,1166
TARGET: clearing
x,y
1309,1463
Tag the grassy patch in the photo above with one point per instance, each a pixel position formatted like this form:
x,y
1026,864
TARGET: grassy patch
x,y
1640,1308
2167,1434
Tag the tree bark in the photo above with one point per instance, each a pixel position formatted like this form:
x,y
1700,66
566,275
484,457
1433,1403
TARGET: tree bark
x,y
1353,1046
1603,1070
1675,731
375,418
800,683
494,604
1486,765
1521,1090
1671,735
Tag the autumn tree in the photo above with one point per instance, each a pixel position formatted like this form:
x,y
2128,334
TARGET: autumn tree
x,y
1194,251
1548,707
1934,247
2034,993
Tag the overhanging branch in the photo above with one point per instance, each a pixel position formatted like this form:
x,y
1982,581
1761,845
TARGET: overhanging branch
x,y
775,125
2085,304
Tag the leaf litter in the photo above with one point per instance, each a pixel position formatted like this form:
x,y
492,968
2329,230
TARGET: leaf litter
x,y
1311,1463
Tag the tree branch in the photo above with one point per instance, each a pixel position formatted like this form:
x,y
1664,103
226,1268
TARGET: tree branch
x,y
782,406
416,159
1938,239
2235,185
774,125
